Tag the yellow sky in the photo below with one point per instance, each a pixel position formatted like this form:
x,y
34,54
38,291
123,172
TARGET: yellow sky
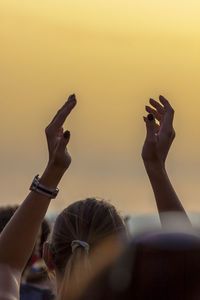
x,y
114,55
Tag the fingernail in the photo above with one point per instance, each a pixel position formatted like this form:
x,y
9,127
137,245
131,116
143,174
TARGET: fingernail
x,y
66,134
150,117
72,96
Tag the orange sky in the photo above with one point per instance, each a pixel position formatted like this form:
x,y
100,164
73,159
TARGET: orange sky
x,y
114,55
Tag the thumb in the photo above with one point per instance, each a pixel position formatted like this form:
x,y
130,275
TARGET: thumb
x,y
64,140
151,128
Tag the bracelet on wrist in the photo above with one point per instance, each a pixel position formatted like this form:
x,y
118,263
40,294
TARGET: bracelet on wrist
x,y
36,186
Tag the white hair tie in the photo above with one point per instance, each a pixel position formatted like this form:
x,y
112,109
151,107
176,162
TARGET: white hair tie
x,y
77,243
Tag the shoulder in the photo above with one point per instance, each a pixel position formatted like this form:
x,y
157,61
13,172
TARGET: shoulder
x,y
9,283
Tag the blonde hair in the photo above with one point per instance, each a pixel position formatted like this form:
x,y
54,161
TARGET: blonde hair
x,y
94,222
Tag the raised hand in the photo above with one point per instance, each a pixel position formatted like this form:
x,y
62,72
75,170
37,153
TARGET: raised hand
x,y
154,153
57,138
159,135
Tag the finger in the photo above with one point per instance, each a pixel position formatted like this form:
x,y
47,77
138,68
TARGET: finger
x,y
151,128
169,112
157,126
154,112
63,112
165,102
157,106
59,111
64,140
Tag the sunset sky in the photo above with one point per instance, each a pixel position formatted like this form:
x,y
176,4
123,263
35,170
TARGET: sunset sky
x,y
113,55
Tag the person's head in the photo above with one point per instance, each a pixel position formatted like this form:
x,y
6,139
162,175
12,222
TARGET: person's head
x,y
155,265
6,213
90,221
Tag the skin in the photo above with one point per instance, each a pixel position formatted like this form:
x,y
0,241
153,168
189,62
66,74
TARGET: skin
x,y
25,224
159,138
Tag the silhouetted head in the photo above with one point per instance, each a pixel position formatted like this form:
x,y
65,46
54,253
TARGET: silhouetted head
x,y
157,265
6,213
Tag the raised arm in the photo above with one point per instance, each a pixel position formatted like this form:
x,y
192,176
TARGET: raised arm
x,y
158,141
18,237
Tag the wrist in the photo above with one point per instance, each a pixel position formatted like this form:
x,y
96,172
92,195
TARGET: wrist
x,y
52,175
154,166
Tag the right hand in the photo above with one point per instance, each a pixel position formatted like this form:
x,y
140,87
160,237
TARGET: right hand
x,y
57,139
160,136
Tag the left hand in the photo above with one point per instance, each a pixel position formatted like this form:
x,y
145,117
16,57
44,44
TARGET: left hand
x,y
159,136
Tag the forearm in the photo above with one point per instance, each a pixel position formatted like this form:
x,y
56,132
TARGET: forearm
x,y
165,195
19,236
